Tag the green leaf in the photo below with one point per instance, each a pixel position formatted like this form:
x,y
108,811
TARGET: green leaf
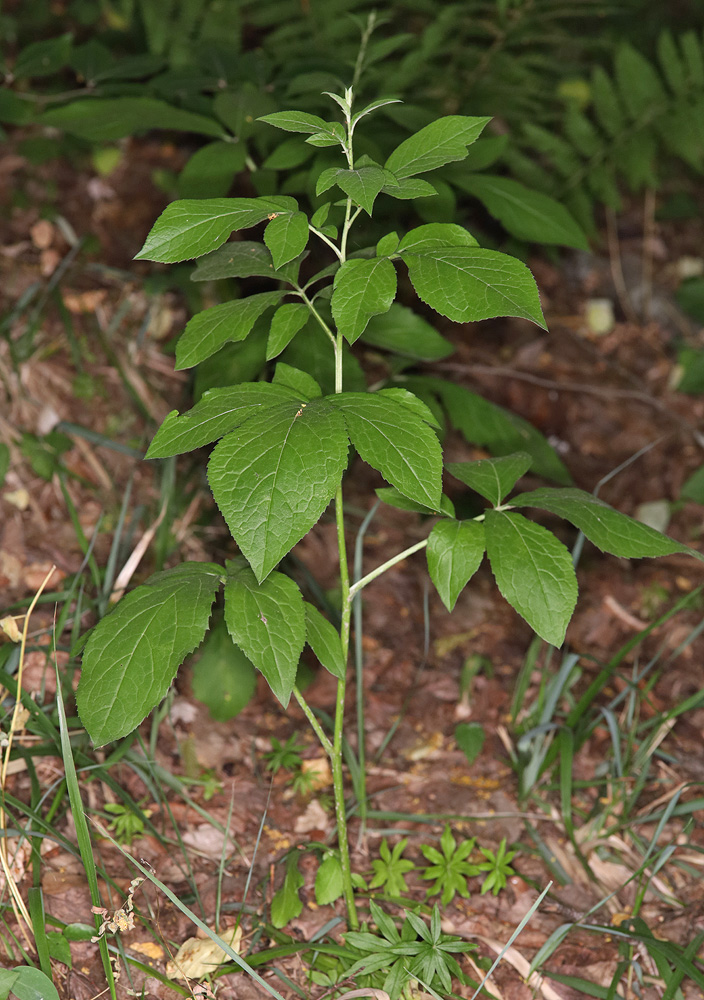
x,y
267,621
692,489
190,228
533,571
13,110
286,904
387,245
497,429
441,142
240,259
419,407
329,883
274,476
638,82
27,983
285,324
291,153
469,737
404,332
609,529
393,439
211,170
362,185
43,58
4,461
409,188
527,215
324,639
296,121
222,678
362,289
299,381
455,551
392,497
105,119
493,478
286,236
229,322
436,235
468,284
607,106
217,413
133,653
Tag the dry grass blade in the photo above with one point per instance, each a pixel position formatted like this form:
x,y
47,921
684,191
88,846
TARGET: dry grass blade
x,y
17,723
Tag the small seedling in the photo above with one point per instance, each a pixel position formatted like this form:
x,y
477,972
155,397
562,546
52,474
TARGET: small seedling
x,y
449,866
417,951
125,824
390,869
498,868
286,756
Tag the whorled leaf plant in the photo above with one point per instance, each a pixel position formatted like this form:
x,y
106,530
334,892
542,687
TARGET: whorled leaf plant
x,y
283,445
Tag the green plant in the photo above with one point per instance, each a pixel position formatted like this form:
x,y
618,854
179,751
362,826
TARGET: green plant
x,y
634,122
286,755
417,951
284,443
498,868
125,823
390,868
449,866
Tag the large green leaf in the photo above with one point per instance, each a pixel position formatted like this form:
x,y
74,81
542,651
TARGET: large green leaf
x,y
533,571
324,639
362,289
609,529
25,982
435,235
455,551
222,677
404,332
468,284
267,621
133,653
493,478
190,228
211,170
43,58
285,324
215,414
286,236
240,259
393,439
497,429
274,476
297,121
104,119
526,214
441,142
229,322
287,904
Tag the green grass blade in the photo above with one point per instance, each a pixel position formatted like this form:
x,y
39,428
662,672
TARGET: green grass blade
x,y
82,833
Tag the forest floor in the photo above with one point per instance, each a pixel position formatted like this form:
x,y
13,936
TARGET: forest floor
x,y
94,346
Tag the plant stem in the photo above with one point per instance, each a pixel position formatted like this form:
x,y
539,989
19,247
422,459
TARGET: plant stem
x,y
315,725
336,755
356,587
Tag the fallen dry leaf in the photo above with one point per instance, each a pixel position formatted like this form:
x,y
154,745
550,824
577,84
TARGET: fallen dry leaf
x,y
199,957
